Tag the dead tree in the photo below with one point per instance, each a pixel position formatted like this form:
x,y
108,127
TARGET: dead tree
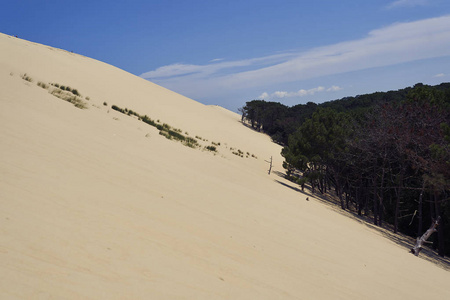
x,y
416,249
270,168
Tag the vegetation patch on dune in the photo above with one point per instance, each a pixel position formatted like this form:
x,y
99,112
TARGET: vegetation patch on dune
x,y
386,155
62,92
72,95
166,130
76,101
27,78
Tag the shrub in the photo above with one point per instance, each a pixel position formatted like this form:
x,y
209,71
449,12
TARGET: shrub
x,y
176,135
105,104
42,85
149,121
27,78
190,142
238,153
118,109
211,148
77,102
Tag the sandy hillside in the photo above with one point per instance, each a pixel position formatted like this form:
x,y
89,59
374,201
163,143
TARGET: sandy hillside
x,y
95,204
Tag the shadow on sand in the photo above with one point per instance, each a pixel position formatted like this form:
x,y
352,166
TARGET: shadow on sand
x,y
404,241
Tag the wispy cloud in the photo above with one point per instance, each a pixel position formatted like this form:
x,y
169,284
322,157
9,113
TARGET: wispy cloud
x,y
299,93
394,44
216,67
216,59
439,75
407,3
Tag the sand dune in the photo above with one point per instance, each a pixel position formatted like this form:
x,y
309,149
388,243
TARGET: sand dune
x,y
96,204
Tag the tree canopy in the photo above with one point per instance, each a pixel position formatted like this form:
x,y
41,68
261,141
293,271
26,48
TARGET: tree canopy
x,y
385,155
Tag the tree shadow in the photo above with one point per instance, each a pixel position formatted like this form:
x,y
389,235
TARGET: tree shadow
x,y
387,231
288,186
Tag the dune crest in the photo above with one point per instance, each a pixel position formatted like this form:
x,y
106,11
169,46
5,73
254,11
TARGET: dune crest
x,y
97,204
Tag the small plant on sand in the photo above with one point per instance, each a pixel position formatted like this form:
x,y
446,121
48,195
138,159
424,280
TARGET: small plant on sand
x,y
211,148
42,85
115,107
191,142
27,78
238,153
76,101
165,129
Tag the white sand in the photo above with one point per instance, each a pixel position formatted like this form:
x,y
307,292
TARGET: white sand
x,y
97,205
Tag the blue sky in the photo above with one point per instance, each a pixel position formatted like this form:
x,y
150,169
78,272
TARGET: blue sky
x,y
229,52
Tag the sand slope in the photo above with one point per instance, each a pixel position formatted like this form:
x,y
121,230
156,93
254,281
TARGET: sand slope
x,y
98,205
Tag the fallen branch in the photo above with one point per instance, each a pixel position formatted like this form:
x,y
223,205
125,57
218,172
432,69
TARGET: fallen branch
x,y
423,239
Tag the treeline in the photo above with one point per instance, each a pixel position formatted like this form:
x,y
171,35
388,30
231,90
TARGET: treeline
x,y
279,121
385,155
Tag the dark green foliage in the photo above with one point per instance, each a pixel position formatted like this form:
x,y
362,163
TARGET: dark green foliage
x,y
191,142
317,148
149,121
211,148
68,89
280,121
176,135
118,109
390,161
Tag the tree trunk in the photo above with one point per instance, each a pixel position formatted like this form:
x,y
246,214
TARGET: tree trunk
x,y
398,193
416,249
420,215
397,211
440,236
375,204
381,199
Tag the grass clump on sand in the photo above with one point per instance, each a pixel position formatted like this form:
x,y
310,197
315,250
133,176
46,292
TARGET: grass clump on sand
x,y
165,129
68,94
75,100
43,85
238,153
211,148
27,78
65,93
68,89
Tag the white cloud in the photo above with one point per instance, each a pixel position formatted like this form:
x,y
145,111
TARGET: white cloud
x,y
299,93
334,88
217,66
264,96
439,75
407,3
394,44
